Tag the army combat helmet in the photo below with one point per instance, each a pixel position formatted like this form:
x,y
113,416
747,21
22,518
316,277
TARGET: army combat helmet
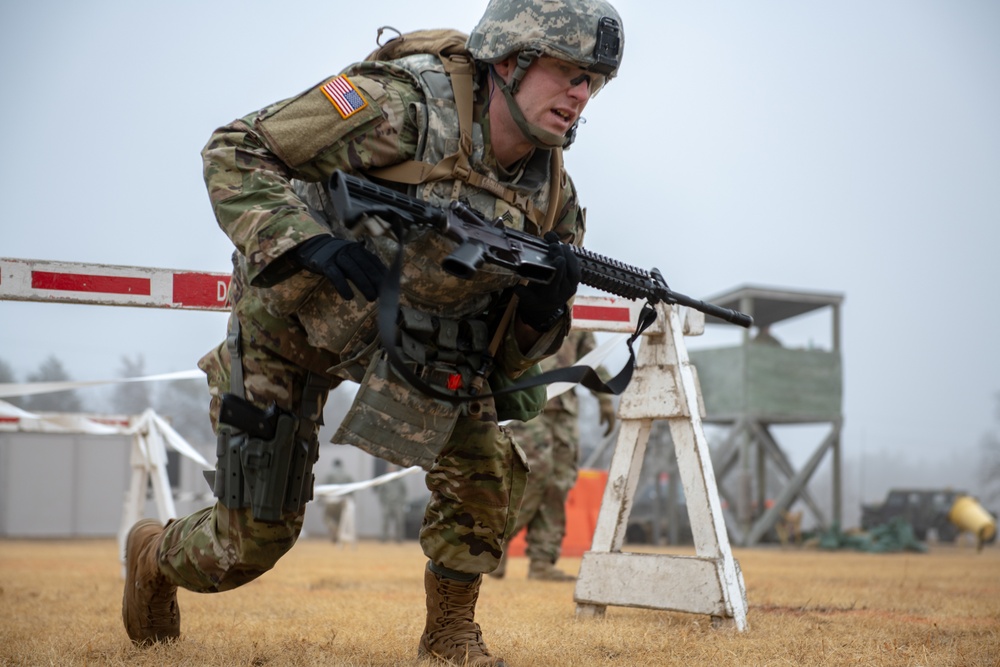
x,y
587,33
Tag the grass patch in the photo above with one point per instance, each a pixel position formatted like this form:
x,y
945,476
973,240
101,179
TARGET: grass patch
x,y
60,604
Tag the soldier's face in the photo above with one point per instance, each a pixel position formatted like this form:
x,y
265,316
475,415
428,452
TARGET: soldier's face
x,y
553,94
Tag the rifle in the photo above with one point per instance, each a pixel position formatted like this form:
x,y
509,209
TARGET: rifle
x,y
525,255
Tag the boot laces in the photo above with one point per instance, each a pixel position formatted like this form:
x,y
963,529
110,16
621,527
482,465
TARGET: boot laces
x,y
161,609
161,599
457,628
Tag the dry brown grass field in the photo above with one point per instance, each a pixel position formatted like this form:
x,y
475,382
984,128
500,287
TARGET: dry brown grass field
x,y
60,604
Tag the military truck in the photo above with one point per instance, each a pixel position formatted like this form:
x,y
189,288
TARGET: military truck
x,y
924,510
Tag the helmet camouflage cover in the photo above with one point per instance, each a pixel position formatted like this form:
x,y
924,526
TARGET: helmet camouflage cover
x,y
587,33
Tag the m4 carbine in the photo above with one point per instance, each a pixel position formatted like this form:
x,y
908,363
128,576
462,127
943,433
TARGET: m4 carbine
x,y
480,240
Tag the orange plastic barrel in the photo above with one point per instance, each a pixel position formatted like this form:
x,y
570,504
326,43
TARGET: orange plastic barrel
x,y
583,504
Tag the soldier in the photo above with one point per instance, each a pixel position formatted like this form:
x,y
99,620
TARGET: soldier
x,y
392,499
488,130
551,443
334,507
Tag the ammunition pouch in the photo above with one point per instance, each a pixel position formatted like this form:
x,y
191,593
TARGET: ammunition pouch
x,y
522,405
448,353
394,421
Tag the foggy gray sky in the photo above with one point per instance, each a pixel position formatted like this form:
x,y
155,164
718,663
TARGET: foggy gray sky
x,y
848,147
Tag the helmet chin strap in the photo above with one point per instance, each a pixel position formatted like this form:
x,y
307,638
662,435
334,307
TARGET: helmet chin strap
x,y
537,136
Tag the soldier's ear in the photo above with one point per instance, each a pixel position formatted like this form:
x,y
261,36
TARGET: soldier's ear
x,y
506,67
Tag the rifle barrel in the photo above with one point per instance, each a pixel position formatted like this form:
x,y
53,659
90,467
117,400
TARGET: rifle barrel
x,y
731,316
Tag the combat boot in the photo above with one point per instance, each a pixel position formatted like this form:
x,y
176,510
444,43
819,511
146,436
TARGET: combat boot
x,y
451,633
149,603
543,570
501,567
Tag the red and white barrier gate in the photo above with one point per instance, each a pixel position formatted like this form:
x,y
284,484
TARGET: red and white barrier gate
x,y
664,386
108,285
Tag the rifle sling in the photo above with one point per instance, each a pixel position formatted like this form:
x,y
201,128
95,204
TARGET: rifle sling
x,y
388,311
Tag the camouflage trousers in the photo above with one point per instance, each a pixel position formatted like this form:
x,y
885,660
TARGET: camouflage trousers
x,y
551,446
477,484
476,487
333,510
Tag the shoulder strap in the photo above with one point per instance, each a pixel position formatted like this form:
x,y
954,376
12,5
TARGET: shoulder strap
x,y
458,63
413,172
555,190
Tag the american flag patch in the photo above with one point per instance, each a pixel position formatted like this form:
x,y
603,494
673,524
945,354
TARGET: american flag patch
x,y
344,96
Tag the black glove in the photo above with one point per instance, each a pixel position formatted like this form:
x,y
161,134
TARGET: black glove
x,y
540,306
340,261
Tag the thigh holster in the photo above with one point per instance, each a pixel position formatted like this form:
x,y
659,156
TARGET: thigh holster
x,y
271,475
265,458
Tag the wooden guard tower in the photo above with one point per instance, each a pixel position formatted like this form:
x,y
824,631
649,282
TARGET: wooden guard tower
x,y
759,384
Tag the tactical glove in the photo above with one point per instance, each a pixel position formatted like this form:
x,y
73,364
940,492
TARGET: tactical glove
x,y
340,260
607,414
541,305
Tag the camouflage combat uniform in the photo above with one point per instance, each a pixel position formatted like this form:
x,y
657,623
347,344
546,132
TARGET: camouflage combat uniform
x,y
551,443
334,506
259,172
392,499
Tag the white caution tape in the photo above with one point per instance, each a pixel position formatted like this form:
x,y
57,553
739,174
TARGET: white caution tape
x,y
30,388
334,490
320,491
174,439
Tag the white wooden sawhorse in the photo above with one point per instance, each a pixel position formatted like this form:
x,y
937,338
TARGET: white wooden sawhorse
x,y
664,386
148,461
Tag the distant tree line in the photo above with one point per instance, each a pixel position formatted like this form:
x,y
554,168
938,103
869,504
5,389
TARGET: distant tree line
x,y
184,403
51,370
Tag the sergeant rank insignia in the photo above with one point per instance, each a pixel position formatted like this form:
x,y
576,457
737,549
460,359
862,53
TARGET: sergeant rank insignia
x,y
344,96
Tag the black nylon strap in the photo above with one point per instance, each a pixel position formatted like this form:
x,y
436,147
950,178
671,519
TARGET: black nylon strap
x,y
388,310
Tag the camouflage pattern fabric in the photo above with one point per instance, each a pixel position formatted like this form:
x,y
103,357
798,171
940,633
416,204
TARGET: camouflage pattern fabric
x,y
564,29
217,548
551,443
392,492
292,324
476,488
